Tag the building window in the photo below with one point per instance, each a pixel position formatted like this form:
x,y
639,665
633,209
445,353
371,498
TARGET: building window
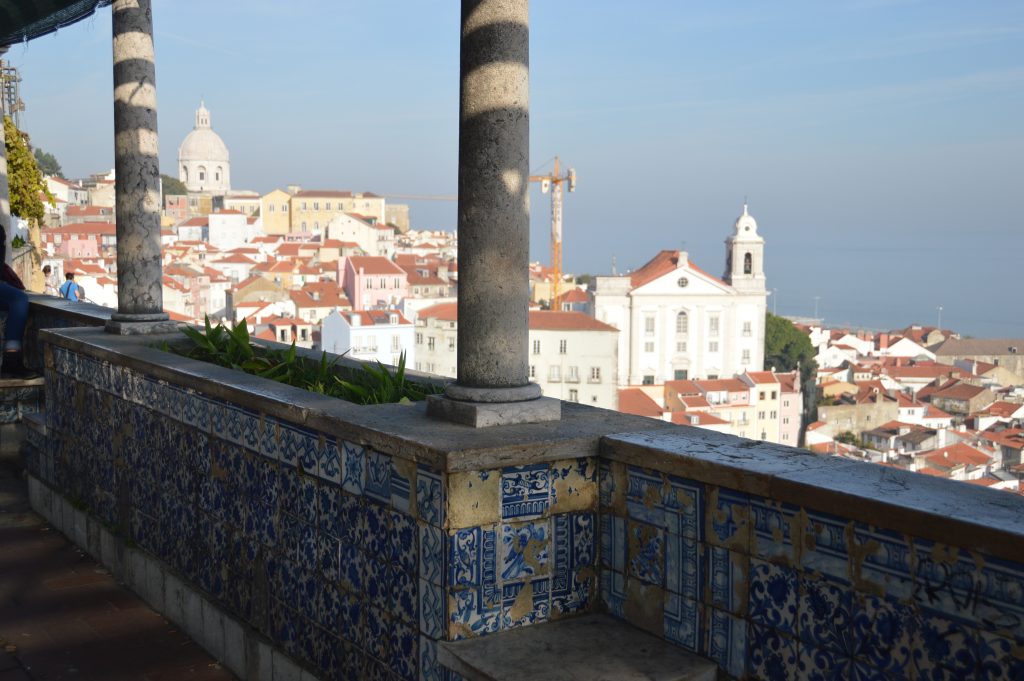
x,y
746,356
760,415
680,346
202,176
595,374
649,324
682,374
775,414
573,374
536,347
270,208
574,395
747,329
785,403
316,205
555,373
760,395
302,206
562,344
713,326
682,324
533,371
648,379
748,263
369,282
284,207
713,346
419,339
430,342
396,343
328,206
785,420
451,344
649,346
397,283
303,225
775,395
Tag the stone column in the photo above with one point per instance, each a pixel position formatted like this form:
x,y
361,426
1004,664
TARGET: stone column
x,y
137,170
494,223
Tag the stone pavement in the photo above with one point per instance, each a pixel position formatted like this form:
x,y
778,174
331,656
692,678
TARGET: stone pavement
x,y
63,616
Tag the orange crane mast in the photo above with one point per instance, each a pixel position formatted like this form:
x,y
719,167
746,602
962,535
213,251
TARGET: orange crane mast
x,y
554,182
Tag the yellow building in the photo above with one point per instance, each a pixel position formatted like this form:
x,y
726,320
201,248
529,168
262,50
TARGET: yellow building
x,y
274,208
313,209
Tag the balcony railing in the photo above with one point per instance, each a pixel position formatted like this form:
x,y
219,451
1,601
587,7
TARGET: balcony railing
x,y
290,512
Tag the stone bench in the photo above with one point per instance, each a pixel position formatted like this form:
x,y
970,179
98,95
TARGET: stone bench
x,y
586,648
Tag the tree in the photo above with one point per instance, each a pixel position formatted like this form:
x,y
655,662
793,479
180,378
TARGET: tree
x,y
26,186
785,349
172,186
25,179
48,164
848,437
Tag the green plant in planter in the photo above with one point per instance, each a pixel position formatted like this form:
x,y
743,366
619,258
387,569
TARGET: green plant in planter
x,y
232,347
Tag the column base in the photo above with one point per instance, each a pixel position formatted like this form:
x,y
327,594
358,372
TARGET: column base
x,y
140,325
485,414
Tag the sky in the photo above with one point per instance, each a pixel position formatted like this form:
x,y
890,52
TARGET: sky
x,y
878,142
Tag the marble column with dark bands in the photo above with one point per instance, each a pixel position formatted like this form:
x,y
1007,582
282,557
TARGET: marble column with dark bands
x,y
137,167
493,210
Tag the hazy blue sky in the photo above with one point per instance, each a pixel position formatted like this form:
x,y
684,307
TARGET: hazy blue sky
x,y
880,142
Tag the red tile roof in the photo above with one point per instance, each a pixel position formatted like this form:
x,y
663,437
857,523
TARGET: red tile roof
x,y
664,262
762,377
445,312
636,401
551,320
374,264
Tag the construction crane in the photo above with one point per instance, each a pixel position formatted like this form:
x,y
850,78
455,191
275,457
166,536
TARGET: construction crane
x,y
553,183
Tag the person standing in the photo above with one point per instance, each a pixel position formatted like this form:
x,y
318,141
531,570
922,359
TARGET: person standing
x,y
70,289
14,302
50,281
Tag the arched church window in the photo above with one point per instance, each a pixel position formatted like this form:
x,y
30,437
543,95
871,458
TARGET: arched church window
x,y
748,264
682,323
202,173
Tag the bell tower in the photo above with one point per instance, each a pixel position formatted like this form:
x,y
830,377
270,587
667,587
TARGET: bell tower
x,y
744,256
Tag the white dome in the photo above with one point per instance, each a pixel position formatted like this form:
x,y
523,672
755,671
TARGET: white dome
x,y
203,144
745,225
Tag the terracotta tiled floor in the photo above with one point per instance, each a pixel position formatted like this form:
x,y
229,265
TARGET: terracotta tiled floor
x,y
62,615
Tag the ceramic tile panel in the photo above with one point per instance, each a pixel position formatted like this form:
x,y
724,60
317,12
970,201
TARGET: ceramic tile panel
x,y
525,603
353,467
682,622
773,596
644,495
684,567
613,592
614,548
825,615
403,481
774,524
429,496
525,550
431,553
726,641
886,635
771,655
646,552
330,463
574,568
728,579
574,485
525,491
431,609
472,612
825,544
378,476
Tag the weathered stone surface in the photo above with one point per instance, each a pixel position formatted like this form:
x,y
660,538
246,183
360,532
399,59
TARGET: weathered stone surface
x,y
486,414
134,327
494,212
136,163
588,648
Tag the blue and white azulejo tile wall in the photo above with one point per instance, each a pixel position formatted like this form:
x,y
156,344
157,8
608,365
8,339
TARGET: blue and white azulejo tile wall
x,y
775,591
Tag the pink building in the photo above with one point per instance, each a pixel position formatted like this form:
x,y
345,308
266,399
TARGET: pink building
x,y
372,281
791,408
80,240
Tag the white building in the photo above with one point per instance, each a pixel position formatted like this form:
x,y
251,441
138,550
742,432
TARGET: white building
x,y
373,237
369,336
573,357
679,322
203,162
228,229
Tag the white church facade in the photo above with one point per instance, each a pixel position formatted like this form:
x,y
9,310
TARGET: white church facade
x,y
678,322
204,165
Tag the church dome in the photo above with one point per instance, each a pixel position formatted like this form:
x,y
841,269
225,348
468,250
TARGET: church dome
x,y
745,225
203,144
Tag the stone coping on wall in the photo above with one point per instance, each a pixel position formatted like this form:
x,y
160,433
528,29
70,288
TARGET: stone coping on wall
x,y
395,429
921,506
82,313
946,511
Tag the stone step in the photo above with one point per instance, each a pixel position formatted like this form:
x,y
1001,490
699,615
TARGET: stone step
x,y
586,648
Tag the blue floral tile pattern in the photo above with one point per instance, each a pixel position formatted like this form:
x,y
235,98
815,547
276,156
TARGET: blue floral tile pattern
x,y
647,553
353,468
772,524
773,596
470,613
431,609
525,550
887,635
825,614
644,496
525,492
431,554
525,603
771,656
429,496
378,476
